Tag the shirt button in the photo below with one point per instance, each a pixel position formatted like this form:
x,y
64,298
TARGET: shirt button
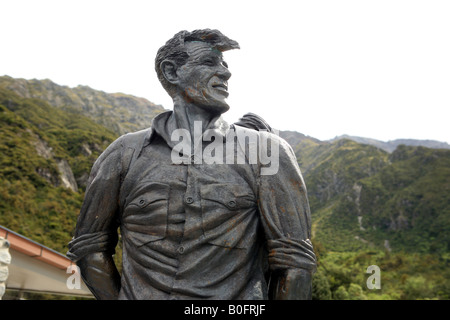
x,y
180,250
189,200
232,204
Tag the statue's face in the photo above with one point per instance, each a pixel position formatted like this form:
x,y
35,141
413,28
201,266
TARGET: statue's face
x,y
203,78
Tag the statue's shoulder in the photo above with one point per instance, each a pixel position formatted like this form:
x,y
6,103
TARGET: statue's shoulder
x,y
134,138
125,146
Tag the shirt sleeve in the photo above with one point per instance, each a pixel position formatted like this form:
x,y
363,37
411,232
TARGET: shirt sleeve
x,y
284,208
96,229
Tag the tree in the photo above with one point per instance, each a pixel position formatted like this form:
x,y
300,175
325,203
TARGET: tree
x,y
341,294
320,286
355,292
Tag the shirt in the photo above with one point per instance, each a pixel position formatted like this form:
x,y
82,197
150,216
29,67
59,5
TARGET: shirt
x,y
194,230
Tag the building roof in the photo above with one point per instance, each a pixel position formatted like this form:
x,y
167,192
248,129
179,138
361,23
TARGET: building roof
x,y
37,268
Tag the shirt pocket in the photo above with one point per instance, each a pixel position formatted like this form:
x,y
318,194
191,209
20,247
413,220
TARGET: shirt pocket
x,y
228,214
145,217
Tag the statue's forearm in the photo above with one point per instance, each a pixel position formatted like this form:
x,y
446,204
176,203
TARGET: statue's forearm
x,y
101,276
291,284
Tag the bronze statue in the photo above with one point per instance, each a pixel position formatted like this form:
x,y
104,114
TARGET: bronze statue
x,y
221,214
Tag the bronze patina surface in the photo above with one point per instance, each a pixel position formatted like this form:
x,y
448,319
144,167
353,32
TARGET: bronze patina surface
x,y
206,210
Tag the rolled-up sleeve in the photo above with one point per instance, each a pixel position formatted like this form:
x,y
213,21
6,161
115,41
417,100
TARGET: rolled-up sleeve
x,y
96,229
285,212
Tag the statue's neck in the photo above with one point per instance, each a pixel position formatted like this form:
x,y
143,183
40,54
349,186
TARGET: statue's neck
x,y
186,115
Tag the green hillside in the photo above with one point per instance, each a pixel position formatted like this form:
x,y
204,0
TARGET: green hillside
x,y
36,138
408,201
374,208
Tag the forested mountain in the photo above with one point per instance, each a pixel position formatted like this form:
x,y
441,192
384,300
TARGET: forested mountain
x,y
45,158
369,206
369,197
118,112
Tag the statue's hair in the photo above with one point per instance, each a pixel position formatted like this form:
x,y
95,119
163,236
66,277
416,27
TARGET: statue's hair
x,y
175,50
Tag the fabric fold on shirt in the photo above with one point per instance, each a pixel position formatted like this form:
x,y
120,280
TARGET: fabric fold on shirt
x,y
102,241
287,253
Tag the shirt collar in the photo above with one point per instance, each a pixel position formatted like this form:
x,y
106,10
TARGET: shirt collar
x,y
165,123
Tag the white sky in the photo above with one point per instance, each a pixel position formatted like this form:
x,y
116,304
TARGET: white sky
x,y
378,69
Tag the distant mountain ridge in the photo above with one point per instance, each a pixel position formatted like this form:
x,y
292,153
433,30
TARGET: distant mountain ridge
x,y
118,112
123,113
391,145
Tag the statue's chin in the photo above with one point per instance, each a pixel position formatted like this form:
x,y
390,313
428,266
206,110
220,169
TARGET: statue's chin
x,y
208,103
216,109
222,108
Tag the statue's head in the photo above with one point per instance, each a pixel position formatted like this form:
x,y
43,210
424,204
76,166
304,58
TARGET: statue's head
x,y
190,66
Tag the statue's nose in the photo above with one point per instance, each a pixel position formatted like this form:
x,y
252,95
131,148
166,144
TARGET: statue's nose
x,y
224,73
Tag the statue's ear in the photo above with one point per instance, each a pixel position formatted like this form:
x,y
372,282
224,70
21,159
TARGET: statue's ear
x,y
169,70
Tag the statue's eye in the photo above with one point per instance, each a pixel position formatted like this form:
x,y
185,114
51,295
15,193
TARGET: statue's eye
x,y
208,62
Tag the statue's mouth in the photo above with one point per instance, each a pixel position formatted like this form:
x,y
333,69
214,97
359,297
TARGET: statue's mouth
x,y
221,87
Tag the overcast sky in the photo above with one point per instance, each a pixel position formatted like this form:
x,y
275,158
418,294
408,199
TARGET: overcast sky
x,y
377,69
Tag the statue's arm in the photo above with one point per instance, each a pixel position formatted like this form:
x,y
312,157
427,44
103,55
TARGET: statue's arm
x,y
95,236
100,274
286,218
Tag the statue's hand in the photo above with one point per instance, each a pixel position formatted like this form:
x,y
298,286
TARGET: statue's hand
x,y
291,284
101,276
